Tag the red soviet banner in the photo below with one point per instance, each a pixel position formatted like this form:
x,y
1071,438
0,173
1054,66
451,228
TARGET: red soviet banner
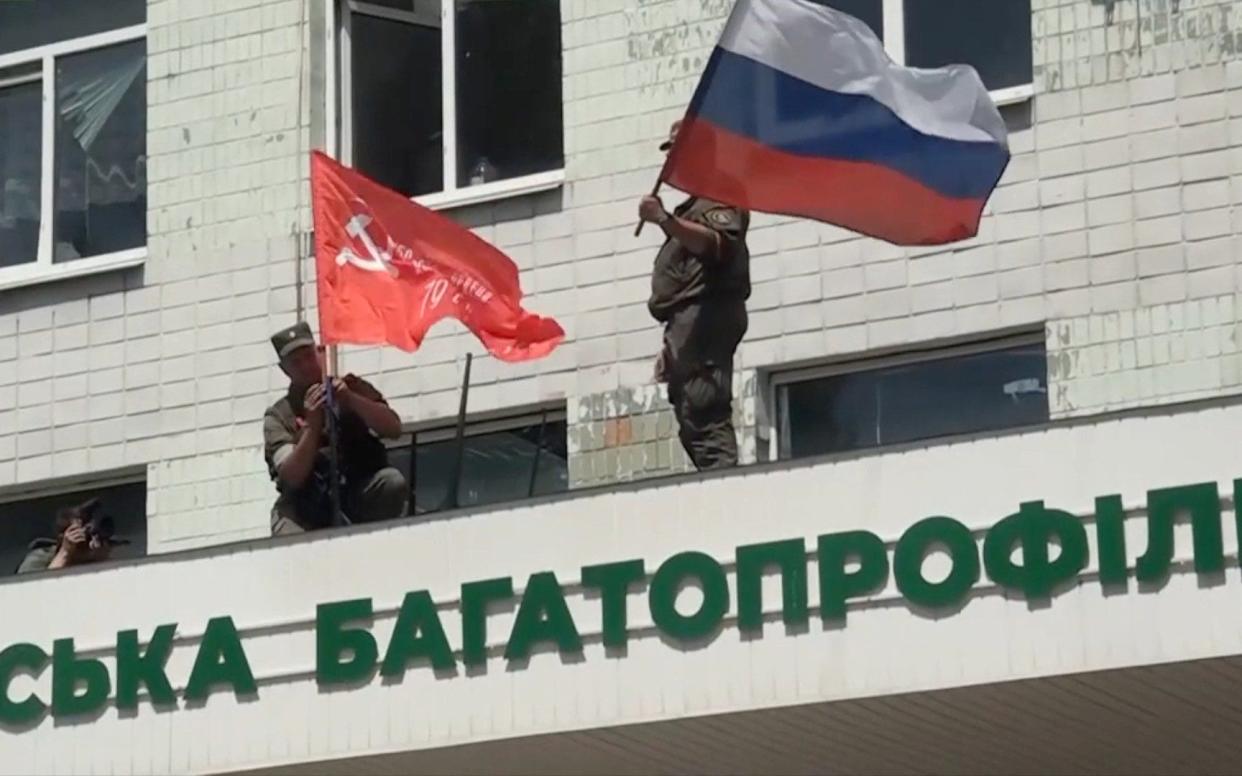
x,y
388,269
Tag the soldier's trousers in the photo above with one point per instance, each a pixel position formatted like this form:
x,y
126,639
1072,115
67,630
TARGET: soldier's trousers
x,y
702,399
381,497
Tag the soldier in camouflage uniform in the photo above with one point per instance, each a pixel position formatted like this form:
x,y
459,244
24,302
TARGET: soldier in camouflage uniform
x,y
699,287
295,443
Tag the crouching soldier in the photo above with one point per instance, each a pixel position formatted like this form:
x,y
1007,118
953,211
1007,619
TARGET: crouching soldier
x,y
295,444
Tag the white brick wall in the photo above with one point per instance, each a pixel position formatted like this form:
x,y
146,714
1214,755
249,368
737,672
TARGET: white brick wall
x,y
1124,198
1148,355
169,368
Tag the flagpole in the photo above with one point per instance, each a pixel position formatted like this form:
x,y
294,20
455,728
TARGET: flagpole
x,y
451,500
339,517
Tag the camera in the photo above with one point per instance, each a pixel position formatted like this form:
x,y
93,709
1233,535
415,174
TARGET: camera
x,y
97,526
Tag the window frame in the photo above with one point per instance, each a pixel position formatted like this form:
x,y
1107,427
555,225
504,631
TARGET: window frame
x,y
778,444
445,430
453,194
43,269
32,491
440,430
895,45
81,484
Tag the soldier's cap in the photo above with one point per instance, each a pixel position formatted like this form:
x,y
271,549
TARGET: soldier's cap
x,y
296,336
672,135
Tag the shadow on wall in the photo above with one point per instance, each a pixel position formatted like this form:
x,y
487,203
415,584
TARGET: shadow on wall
x,y
48,295
513,209
1018,117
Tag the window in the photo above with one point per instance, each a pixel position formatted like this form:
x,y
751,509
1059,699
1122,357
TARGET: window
x,y
457,99
73,178
869,11
970,389
507,460
992,35
33,520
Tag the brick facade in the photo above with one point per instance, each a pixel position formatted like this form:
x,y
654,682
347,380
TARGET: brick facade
x,y
631,433
1122,208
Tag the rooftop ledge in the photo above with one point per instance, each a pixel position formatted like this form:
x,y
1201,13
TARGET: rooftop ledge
x,y
931,446
528,643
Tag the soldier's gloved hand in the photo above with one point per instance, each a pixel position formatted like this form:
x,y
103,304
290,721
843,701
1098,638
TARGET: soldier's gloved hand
x,y
660,372
314,407
651,210
362,388
341,390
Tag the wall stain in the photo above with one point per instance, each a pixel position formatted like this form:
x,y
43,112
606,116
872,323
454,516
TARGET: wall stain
x,y
1155,36
673,46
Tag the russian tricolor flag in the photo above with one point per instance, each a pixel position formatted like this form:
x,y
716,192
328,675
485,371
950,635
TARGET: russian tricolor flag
x,y
801,112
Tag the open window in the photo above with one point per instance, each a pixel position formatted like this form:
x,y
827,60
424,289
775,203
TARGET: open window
x,y
511,459
453,101
73,138
28,520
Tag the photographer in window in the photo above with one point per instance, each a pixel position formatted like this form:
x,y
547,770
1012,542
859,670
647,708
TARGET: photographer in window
x,y
82,536
296,443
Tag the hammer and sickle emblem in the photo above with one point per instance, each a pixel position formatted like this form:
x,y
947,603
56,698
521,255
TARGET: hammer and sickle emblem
x,y
377,260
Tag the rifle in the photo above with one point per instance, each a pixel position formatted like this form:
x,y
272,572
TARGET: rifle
x,y
334,463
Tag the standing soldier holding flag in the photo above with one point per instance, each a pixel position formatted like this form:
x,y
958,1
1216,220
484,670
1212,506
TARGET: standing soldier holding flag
x,y
699,287
801,112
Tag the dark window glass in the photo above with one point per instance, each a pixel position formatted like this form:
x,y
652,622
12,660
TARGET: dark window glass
x,y
509,120
23,522
28,23
397,104
992,35
869,11
101,151
397,5
906,403
21,168
497,467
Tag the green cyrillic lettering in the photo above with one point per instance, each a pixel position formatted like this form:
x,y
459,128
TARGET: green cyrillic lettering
x,y
220,660
752,560
836,587
135,669
668,581
613,581
1110,535
1237,512
1034,527
1202,501
417,634
475,598
79,686
333,641
543,616
912,550
20,657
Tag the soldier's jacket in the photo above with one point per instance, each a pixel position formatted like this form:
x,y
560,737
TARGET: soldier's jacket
x,y
702,299
361,453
